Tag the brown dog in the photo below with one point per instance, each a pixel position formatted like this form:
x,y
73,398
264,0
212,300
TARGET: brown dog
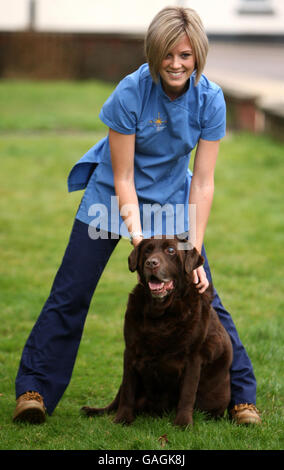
x,y
177,353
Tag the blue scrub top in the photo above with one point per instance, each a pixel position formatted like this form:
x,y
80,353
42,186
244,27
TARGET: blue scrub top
x,y
166,133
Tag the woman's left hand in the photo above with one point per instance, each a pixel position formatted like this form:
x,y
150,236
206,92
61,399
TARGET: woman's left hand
x,y
200,279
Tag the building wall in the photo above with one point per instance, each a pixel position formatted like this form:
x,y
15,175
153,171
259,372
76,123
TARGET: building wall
x,y
133,16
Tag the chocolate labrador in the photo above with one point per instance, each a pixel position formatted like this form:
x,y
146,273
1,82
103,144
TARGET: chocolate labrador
x,y
177,353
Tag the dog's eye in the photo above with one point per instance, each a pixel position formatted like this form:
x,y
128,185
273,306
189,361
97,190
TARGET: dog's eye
x,y
170,250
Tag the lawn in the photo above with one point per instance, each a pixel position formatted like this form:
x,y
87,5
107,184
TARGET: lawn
x,y
44,129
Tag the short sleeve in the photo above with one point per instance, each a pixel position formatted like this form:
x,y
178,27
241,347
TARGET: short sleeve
x,y
214,118
122,109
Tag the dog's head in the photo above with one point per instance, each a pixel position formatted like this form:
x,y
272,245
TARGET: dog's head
x,y
164,265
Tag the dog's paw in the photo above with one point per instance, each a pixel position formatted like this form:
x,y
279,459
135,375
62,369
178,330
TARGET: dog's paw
x,y
89,411
124,417
183,420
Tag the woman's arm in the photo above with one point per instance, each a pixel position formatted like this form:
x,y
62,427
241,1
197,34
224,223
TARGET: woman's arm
x,y
122,149
201,194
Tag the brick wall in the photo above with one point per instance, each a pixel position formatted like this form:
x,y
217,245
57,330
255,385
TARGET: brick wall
x,y
69,56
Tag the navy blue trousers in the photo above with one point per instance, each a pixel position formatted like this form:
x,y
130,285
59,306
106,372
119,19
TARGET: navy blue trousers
x,y
49,354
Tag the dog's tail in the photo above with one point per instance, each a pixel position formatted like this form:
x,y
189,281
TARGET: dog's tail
x,y
89,411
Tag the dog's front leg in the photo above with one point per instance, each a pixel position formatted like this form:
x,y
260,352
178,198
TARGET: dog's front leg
x,y
184,415
125,412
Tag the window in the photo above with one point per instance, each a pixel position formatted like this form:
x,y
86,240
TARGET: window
x,y
255,7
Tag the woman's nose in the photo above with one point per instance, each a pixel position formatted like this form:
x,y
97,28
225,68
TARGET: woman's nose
x,y
175,64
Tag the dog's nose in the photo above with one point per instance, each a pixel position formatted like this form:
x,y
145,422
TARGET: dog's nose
x,y
152,263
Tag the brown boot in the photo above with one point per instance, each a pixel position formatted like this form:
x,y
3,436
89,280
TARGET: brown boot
x,y
30,408
245,413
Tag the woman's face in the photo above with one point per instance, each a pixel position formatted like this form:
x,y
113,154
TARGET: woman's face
x,y
177,67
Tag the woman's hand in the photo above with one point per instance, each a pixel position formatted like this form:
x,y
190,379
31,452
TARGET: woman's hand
x,y
136,241
200,279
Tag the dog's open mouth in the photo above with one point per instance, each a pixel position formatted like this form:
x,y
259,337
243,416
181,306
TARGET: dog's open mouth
x,y
160,288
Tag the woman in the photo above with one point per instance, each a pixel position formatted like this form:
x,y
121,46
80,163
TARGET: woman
x,y
156,116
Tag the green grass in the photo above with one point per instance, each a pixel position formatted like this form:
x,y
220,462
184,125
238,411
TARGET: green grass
x,y
52,105
244,241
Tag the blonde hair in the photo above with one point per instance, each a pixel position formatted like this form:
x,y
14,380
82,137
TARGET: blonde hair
x,y
164,32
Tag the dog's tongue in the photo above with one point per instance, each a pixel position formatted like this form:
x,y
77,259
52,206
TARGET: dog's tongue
x,y
160,285
156,285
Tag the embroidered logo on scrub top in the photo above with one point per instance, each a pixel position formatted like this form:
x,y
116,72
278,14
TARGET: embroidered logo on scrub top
x,y
158,123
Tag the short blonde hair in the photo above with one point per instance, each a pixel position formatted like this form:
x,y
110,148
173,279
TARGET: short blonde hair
x,y
164,32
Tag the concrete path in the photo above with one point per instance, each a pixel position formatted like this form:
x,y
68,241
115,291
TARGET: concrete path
x,y
249,70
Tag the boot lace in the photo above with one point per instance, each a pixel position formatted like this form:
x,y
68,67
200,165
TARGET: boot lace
x,y
32,396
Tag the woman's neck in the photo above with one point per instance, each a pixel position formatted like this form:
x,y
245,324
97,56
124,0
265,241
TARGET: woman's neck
x,y
174,94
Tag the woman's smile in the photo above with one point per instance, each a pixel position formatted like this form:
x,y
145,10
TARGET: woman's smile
x,y
176,75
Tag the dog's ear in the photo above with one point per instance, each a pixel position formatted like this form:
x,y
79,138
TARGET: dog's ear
x,y
193,260
133,259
